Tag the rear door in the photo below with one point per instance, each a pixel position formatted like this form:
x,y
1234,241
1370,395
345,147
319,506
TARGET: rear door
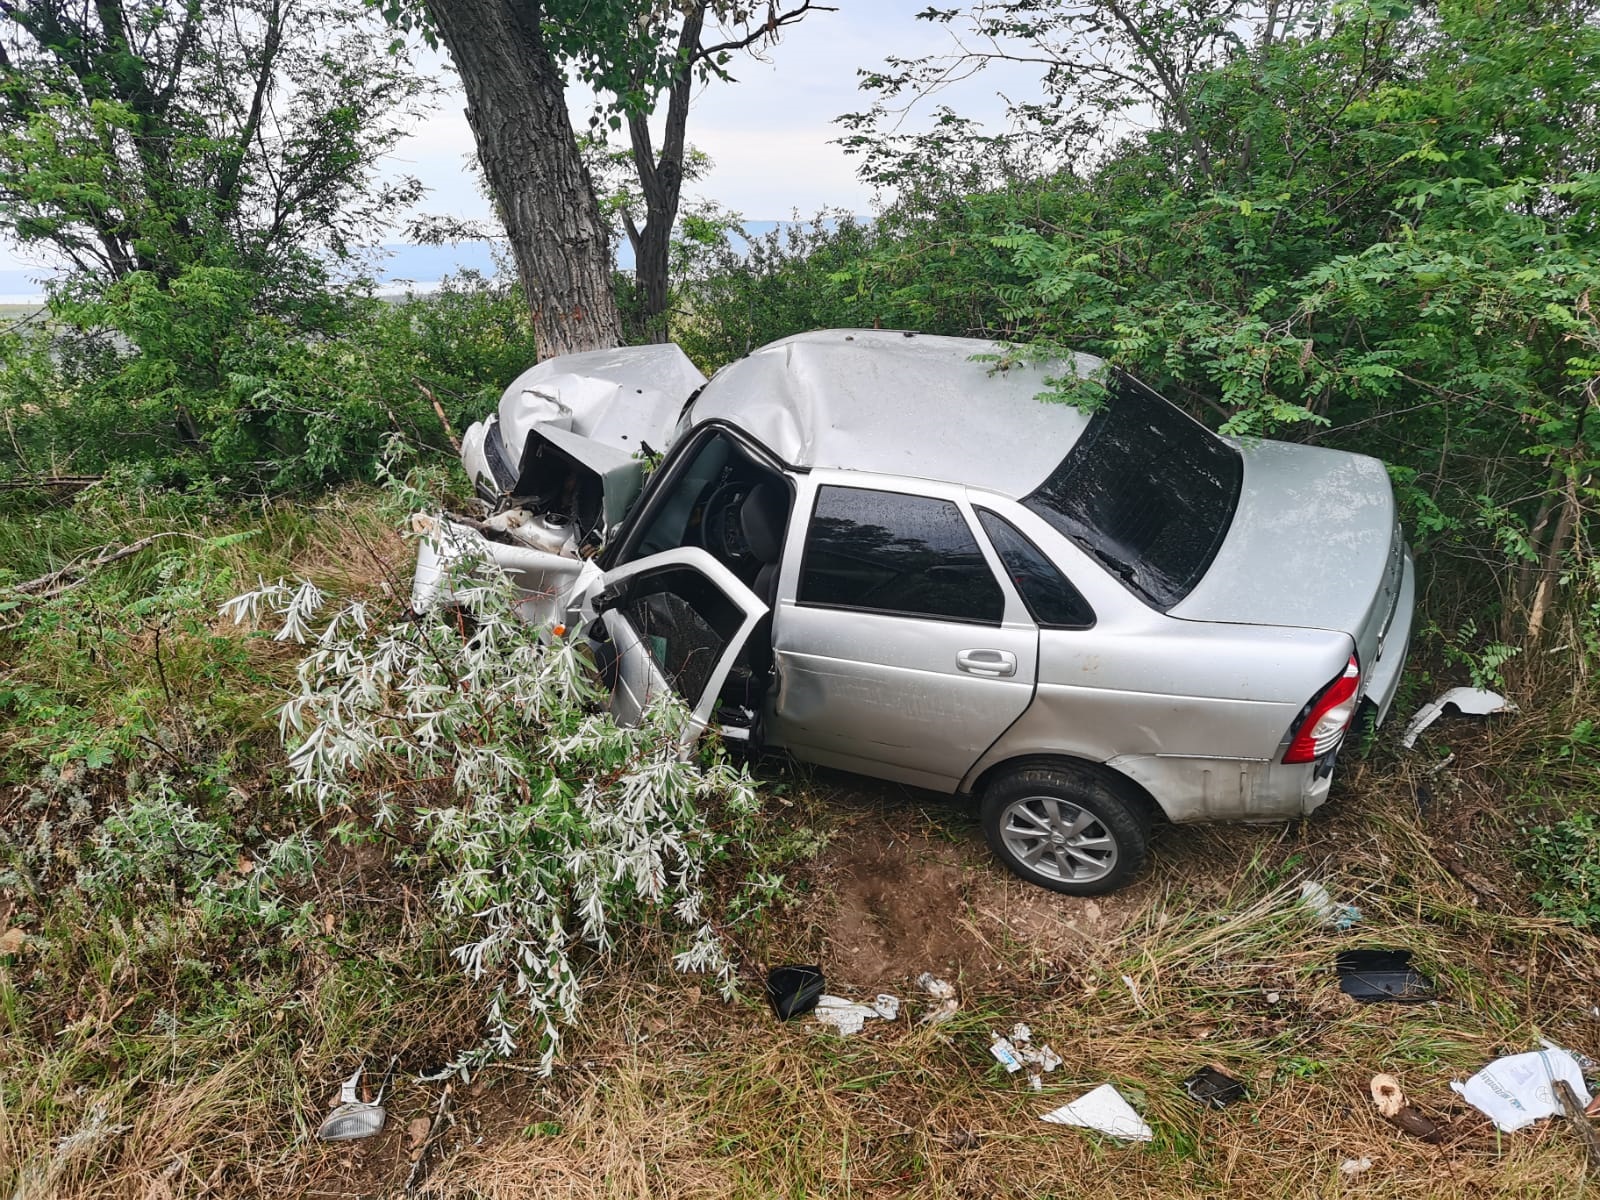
x,y
900,650
672,622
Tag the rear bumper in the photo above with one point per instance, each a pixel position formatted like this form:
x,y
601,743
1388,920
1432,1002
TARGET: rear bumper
x,y
1393,643
1220,789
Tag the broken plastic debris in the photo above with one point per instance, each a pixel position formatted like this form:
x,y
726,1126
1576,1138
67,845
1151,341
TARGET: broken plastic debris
x,y
1520,1089
352,1117
1472,702
1210,1087
793,990
942,991
1316,898
1373,975
1105,1111
848,1017
1351,1167
1386,1094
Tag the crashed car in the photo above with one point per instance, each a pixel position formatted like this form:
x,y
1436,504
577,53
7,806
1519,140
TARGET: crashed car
x,y
875,551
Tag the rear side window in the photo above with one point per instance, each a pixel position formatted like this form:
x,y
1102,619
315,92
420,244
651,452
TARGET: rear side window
x,y
891,553
1147,491
1049,595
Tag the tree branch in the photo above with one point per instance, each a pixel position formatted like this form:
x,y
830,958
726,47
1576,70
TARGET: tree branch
x,y
769,27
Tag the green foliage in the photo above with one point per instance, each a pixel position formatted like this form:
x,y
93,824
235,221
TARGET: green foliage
x,y
735,293
241,135
156,846
1564,860
185,384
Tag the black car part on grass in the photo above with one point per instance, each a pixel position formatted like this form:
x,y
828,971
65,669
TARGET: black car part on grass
x,y
1210,1088
794,990
1371,976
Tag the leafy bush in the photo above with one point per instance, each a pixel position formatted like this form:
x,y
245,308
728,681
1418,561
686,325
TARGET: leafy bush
x,y
546,827
188,383
1564,860
155,845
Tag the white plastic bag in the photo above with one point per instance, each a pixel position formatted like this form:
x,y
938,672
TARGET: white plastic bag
x,y
1520,1089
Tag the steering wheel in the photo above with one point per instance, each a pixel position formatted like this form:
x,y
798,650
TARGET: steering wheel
x,y
721,530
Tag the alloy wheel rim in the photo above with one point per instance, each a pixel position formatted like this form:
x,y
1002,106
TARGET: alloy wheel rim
x,y
1058,839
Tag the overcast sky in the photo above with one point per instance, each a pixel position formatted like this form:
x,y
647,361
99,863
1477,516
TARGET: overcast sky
x,y
769,135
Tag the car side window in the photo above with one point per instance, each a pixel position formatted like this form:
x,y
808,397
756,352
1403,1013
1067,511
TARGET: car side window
x,y
892,553
1049,595
684,621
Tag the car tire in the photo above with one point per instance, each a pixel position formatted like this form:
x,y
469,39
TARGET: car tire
x,y
1071,830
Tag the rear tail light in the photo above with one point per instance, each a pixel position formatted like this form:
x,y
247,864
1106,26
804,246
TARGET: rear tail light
x,y
1326,718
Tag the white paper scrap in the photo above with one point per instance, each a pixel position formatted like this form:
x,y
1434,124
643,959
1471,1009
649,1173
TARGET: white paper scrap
x,y
1103,1110
846,1016
1005,1054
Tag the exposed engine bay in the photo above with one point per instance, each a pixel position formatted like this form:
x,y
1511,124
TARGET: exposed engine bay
x,y
557,468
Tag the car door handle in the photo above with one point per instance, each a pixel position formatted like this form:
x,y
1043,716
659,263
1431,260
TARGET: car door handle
x,y
995,664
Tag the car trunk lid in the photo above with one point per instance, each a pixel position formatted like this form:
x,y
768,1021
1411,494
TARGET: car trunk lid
x,y
1314,543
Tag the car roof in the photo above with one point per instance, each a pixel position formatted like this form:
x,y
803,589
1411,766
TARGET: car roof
x,y
899,403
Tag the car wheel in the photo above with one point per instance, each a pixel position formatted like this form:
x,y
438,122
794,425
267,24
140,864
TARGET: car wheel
x,y
1072,831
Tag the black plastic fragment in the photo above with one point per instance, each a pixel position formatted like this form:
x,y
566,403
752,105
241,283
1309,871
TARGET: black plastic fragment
x,y
1211,1088
1371,976
794,990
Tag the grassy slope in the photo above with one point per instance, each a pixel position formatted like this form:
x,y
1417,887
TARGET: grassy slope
x,y
142,1055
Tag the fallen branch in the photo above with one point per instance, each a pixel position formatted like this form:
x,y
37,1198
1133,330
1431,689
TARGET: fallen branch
x,y
69,576
443,420
49,481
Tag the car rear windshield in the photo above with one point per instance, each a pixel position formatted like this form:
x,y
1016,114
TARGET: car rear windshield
x,y
1147,491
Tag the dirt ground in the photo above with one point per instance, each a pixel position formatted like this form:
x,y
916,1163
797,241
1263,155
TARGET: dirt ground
x,y
914,888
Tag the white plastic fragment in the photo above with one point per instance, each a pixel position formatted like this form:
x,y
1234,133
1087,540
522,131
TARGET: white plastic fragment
x,y
1472,702
1017,1050
1105,1111
1351,1167
1319,902
1520,1089
886,1006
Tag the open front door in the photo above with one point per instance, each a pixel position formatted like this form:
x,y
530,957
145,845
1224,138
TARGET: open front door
x,y
674,621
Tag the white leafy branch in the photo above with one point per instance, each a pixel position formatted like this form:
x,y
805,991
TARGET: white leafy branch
x,y
548,827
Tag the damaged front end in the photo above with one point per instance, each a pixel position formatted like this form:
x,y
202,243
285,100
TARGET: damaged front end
x,y
557,468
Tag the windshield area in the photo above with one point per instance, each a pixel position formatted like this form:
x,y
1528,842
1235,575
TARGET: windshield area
x,y
1147,491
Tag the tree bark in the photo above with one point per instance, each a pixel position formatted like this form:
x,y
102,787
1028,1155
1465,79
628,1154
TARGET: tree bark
x,y
518,112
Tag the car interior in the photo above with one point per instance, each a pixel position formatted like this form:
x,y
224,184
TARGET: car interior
x,y
722,499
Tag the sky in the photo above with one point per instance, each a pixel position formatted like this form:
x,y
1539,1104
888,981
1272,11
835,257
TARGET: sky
x,y
769,135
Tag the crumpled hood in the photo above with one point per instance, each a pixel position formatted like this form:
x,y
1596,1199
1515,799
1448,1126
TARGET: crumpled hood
x,y
621,398
569,432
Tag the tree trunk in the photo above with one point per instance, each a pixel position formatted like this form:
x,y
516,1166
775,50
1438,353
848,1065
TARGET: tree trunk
x,y
661,179
518,112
